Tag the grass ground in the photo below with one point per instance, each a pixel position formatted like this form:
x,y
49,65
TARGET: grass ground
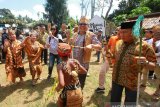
x,y
25,95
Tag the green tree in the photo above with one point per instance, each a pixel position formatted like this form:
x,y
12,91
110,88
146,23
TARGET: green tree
x,y
20,17
101,4
119,19
56,11
132,4
122,6
6,14
71,22
125,7
154,5
139,11
27,19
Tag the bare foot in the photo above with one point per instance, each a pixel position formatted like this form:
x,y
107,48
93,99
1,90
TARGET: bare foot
x,y
156,98
33,83
157,93
21,80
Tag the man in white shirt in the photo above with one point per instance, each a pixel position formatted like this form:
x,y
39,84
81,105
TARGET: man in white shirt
x,y
156,45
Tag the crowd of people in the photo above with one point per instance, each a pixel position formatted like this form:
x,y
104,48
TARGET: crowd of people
x,y
73,53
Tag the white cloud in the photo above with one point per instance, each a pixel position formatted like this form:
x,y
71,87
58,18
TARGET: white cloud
x,y
74,10
24,13
21,12
73,7
39,8
32,14
115,3
114,6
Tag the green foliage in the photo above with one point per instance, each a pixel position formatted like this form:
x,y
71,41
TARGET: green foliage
x,y
132,8
56,11
135,12
139,11
110,27
52,91
154,5
25,19
125,7
33,24
71,22
10,21
7,17
6,14
122,7
132,4
119,19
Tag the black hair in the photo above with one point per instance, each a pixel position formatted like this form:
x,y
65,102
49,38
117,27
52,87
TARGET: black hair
x,y
18,33
150,31
127,25
56,28
27,34
68,27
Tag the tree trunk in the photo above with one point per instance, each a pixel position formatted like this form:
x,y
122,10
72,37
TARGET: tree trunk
x,y
102,8
92,8
86,7
110,6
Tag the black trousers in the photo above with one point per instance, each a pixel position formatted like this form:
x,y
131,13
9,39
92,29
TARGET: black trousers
x,y
150,74
82,79
52,59
44,56
23,53
3,55
116,95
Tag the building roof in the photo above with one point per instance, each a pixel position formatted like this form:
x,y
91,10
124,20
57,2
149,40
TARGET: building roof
x,y
150,20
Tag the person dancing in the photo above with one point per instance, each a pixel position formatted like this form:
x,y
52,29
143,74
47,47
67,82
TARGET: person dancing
x,y
14,66
68,70
33,49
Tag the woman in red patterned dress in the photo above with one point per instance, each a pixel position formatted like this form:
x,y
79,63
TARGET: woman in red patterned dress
x,y
68,69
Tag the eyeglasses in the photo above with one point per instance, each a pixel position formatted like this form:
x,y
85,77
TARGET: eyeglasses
x,y
81,24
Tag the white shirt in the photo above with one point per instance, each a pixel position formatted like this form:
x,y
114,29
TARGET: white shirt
x,y
53,43
157,44
149,41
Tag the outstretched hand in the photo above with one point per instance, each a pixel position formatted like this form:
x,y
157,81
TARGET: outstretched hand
x,y
90,46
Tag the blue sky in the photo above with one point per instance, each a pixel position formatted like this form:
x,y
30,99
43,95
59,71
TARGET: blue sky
x,y
32,7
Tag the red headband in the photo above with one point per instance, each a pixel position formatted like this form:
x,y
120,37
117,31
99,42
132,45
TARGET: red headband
x,y
64,49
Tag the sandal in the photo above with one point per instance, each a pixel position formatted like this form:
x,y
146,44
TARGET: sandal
x,y
156,98
34,82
